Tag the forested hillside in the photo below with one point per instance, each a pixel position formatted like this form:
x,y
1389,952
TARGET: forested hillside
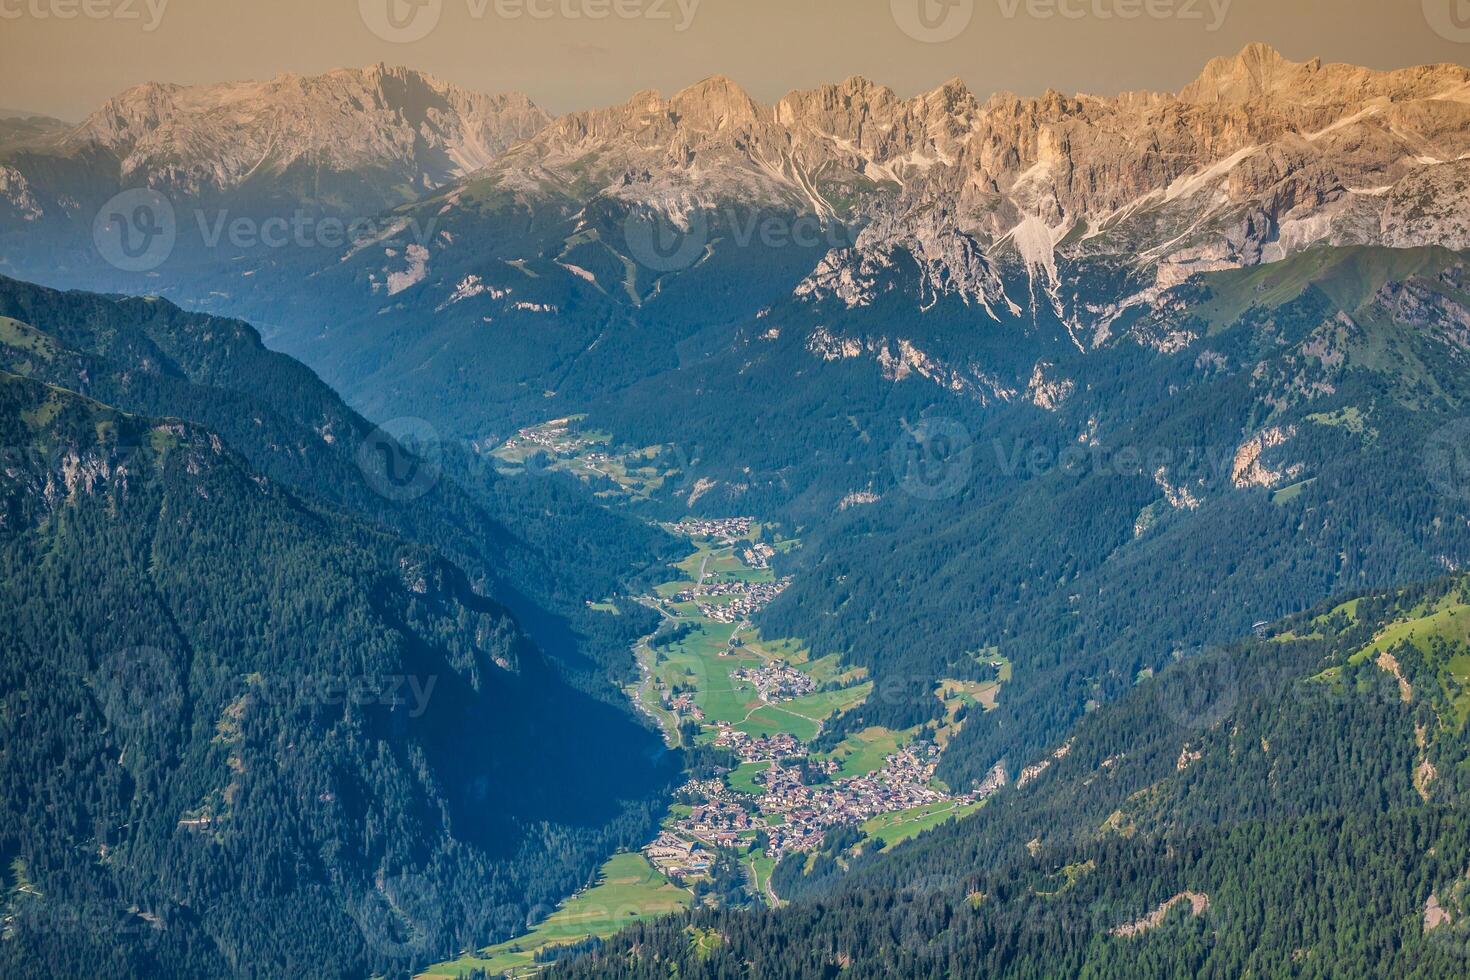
x,y
262,715
1291,805
545,547
1298,442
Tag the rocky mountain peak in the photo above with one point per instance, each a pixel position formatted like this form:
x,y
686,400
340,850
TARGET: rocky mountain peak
x,y
1258,71
715,103
423,131
951,94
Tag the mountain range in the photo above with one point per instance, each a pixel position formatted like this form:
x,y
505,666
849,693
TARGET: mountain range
x,y
341,142
850,262
1060,215
1081,389
1257,158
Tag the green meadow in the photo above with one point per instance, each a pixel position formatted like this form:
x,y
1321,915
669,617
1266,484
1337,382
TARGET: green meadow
x,y
894,828
628,889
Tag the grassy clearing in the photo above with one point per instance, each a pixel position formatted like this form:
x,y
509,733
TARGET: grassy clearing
x,y
629,889
1347,609
1067,878
1286,495
1350,276
587,454
1449,620
958,695
760,867
985,695
26,338
774,719
827,669
1440,633
704,941
822,705
742,780
1350,418
895,828
864,752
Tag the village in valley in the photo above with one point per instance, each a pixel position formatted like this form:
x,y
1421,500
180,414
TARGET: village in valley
x,y
714,685
764,704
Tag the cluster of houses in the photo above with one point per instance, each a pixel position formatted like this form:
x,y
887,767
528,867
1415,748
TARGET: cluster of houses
x,y
721,821
776,681
758,555
683,707
721,818
766,748
903,783
803,812
748,599
807,810
553,437
726,529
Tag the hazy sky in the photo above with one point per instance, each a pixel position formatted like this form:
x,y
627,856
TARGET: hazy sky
x,y
63,57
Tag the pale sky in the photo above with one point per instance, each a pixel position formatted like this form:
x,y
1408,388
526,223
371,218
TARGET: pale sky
x,y
67,65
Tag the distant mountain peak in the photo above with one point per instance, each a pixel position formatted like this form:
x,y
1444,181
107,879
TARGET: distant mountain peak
x,y
1258,70
418,130
715,103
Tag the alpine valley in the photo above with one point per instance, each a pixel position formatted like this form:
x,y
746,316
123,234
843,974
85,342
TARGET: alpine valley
x,y
853,536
